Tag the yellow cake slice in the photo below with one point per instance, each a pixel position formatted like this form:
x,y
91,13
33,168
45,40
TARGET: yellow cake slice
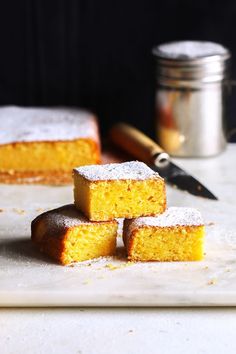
x,y
68,236
43,145
118,190
175,235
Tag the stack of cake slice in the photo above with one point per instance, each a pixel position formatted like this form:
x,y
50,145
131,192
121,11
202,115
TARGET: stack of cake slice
x,y
130,190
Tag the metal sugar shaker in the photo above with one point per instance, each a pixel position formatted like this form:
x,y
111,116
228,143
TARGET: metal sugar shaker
x,y
192,85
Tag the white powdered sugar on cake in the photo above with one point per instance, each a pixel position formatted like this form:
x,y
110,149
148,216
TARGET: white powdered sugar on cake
x,y
45,124
132,170
65,217
173,216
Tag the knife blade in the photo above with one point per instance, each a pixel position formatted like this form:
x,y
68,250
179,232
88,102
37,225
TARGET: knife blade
x,y
142,147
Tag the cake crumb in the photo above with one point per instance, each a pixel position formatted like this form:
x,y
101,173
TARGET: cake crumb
x,y
211,223
206,267
227,270
131,331
111,266
213,281
19,211
87,281
127,264
123,265
1,210
40,210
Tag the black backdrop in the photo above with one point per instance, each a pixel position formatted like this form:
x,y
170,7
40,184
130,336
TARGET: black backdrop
x,y
96,53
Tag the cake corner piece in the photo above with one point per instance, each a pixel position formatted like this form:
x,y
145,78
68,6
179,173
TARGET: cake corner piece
x,y
175,235
68,236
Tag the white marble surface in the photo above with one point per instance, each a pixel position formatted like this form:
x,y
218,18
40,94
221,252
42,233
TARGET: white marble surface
x,y
31,279
116,331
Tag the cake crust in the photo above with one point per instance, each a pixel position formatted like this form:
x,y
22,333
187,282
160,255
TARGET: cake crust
x,y
55,178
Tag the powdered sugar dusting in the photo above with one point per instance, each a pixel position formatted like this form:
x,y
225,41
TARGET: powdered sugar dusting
x,y
189,49
174,216
64,217
133,170
45,124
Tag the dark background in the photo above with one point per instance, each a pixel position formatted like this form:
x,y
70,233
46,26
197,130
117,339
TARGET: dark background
x,y
96,54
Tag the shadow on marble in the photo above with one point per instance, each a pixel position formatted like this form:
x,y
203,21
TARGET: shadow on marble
x,y
121,254
22,250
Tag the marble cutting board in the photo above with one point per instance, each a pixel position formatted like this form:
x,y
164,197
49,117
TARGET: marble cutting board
x,y
28,278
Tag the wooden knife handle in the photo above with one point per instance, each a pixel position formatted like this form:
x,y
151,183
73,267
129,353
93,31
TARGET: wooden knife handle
x,y
135,142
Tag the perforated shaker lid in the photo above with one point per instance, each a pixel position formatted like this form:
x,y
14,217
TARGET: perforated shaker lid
x,y
190,50
190,60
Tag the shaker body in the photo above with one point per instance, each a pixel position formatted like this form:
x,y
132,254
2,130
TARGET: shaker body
x,y
191,122
191,95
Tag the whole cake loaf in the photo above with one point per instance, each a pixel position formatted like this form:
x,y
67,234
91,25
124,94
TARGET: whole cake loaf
x,y
43,145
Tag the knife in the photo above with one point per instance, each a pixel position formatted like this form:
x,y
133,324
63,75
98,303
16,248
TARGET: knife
x,y
142,147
